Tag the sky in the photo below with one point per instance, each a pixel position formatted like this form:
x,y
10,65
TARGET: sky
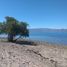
x,y
37,13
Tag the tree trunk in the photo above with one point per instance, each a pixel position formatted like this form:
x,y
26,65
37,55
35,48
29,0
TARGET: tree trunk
x,y
10,37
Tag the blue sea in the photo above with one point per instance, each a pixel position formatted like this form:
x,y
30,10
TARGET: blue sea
x,y
49,36
52,37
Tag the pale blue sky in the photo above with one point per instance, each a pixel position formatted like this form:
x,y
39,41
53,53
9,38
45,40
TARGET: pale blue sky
x,y
38,13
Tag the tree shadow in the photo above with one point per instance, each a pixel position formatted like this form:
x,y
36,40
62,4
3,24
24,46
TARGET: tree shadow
x,y
25,42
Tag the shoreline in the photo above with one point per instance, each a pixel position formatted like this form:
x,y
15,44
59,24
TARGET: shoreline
x,y
37,42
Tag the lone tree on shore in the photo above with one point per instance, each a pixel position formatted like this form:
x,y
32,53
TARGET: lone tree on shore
x,y
13,27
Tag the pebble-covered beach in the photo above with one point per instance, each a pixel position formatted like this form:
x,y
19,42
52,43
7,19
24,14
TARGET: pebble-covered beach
x,y
40,55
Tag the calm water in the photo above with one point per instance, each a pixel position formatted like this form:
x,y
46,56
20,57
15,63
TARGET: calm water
x,y
52,37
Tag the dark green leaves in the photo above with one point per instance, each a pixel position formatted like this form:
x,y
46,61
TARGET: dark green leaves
x,y
14,27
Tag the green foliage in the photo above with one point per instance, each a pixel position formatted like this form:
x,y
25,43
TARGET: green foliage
x,y
13,27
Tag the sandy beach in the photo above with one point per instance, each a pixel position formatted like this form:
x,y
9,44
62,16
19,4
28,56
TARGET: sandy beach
x,y
39,55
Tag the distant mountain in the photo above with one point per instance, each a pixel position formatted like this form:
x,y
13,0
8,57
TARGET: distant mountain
x,y
48,29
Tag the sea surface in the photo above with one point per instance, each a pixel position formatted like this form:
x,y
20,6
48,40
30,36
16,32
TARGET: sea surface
x,y
52,37
48,36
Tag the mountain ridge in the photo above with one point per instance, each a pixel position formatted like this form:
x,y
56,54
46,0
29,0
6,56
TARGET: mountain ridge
x,y
47,29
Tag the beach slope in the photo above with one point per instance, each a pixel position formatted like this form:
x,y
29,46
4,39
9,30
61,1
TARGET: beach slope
x,y
41,55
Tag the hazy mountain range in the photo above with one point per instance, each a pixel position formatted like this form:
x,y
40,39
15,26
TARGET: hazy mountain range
x,y
47,29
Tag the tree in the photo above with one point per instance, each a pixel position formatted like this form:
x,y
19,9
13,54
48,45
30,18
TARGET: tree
x,y
13,27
